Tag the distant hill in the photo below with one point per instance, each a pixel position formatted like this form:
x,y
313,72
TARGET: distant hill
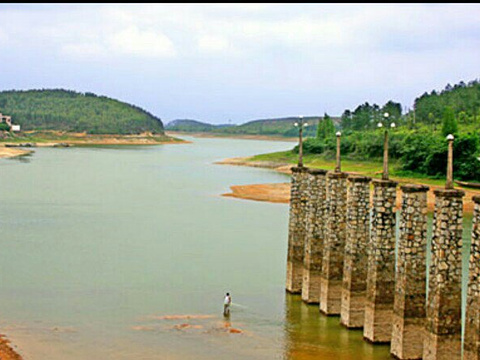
x,y
188,125
273,127
66,110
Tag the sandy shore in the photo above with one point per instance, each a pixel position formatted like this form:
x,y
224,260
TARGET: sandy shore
x,y
141,139
243,161
276,192
6,351
280,192
12,152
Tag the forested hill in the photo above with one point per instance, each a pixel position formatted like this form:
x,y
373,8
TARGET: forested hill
x,y
273,127
66,110
189,125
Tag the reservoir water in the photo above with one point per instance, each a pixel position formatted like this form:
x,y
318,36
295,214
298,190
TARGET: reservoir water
x,y
126,253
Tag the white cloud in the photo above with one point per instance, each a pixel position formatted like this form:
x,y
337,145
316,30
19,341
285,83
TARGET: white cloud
x,y
133,41
210,43
85,51
344,50
128,42
3,37
164,30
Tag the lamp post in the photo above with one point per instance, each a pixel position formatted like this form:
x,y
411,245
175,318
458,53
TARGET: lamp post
x,y
449,183
300,124
338,166
385,146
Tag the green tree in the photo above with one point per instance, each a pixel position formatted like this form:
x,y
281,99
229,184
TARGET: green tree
x,y
394,110
450,125
462,117
346,120
432,121
326,128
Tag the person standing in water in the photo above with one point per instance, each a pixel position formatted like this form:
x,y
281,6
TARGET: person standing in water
x,y
227,301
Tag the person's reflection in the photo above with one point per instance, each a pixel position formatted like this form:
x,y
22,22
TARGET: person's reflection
x,y
227,324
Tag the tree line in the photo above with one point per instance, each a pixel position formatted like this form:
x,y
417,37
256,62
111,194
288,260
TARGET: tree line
x,y
417,144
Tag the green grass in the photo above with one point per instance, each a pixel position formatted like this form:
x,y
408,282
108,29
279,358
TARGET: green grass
x,y
366,168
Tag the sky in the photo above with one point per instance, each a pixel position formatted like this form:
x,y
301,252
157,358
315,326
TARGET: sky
x,y
223,63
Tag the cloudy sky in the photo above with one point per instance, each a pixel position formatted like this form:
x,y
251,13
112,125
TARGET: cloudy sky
x,y
239,62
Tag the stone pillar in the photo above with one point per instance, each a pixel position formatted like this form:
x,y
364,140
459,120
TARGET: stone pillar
x,y
356,257
296,229
411,275
471,347
315,225
334,246
381,264
444,303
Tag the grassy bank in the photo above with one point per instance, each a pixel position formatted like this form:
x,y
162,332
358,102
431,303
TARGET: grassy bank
x,y
367,168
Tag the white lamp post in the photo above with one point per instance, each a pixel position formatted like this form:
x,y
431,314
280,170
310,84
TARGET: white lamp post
x,y
338,166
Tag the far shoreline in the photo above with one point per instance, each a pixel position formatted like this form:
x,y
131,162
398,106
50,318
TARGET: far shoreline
x,y
18,146
230,136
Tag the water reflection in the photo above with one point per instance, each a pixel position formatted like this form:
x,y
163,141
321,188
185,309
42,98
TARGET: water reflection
x,y
25,158
312,335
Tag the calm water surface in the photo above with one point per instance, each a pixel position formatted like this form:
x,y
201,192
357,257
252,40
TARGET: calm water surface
x,y
99,244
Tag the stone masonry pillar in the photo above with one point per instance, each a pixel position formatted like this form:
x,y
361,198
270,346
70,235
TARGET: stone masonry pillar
x,y
355,262
296,229
471,347
411,275
315,226
334,246
381,264
443,324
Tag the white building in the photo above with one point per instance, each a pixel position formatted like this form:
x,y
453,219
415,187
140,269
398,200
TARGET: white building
x,y
6,119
